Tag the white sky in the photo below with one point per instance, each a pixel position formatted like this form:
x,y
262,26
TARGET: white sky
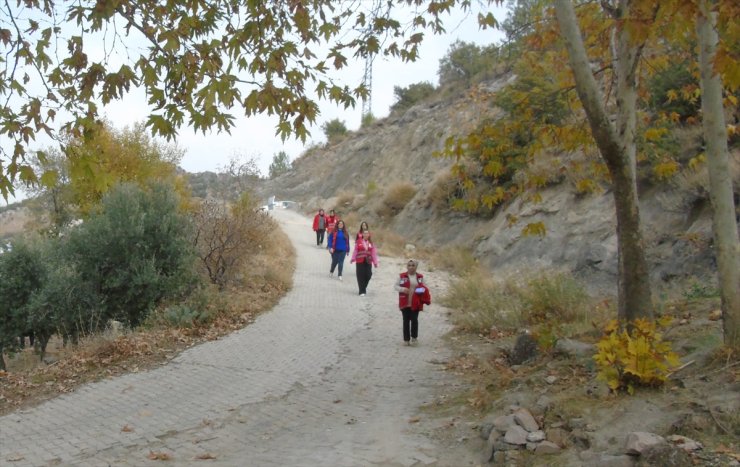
x,y
255,137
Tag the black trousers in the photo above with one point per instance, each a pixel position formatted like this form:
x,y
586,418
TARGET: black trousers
x,y
364,274
410,323
320,236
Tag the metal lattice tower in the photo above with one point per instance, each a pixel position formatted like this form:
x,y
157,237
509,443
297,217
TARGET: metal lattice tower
x,y
367,80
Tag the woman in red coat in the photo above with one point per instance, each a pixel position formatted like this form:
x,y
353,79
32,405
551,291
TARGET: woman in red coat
x,y
413,294
319,226
365,256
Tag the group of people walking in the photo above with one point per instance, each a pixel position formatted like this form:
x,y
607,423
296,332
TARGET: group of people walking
x,y
413,293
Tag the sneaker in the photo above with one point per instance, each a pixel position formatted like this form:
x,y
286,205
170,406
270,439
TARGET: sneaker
x,y
413,341
362,295
407,343
340,278
331,274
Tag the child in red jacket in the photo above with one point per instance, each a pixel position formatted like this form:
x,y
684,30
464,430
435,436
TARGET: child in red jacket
x,y
413,294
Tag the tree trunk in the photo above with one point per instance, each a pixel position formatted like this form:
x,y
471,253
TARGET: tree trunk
x,y
618,151
720,180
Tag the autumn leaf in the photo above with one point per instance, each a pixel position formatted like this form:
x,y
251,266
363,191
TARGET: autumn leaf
x,y
205,456
127,429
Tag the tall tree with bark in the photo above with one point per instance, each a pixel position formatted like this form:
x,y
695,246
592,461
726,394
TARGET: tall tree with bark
x,y
616,143
720,179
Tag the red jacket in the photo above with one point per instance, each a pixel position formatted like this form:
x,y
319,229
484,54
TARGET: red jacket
x,y
331,221
418,299
316,222
361,254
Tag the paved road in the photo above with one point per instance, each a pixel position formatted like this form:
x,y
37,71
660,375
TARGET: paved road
x,y
321,380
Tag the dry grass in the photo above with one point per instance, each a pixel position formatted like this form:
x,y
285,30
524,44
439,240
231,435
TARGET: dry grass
x,y
388,243
456,260
264,280
540,297
444,189
345,201
396,198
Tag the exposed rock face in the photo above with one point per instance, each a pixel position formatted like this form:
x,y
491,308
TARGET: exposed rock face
x,y
581,229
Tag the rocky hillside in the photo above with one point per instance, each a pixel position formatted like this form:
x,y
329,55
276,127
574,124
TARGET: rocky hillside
x,y
581,231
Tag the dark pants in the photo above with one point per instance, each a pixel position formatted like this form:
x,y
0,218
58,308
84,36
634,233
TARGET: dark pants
x,y
410,320
364,274
320,236
337,259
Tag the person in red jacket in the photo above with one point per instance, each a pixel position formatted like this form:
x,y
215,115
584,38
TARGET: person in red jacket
x,y
365,256
413,294
320,224
331,222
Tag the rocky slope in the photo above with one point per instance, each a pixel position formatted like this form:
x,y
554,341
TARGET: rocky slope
x,y
581,230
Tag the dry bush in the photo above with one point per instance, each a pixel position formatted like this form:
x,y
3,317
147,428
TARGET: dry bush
x,y
455,259
226,236
352,222
445,188
345,201
536,298
388,242
396,198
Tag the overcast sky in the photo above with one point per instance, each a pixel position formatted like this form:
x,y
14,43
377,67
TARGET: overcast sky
x,y
255,137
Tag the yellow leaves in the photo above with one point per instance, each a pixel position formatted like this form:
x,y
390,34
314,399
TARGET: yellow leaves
x,y
636,357
534,229
655,134
666,169
586,185
696,162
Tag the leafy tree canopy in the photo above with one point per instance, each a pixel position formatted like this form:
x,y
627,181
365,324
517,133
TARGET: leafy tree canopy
x,y
200,63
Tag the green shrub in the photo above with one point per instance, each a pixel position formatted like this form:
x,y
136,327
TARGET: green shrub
x,y
334,130
698,291
414,93
183,316
136,250
21,273
672,90
367,120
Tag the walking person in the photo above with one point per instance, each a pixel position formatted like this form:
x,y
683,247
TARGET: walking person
x,y
319,226
338,242
363,228
413,294
364,256
331,223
